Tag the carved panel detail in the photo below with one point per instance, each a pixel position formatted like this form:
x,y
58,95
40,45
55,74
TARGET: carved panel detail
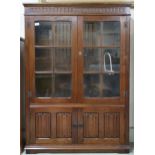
x,y
101,125
42,125
63,125
112,125
91,124
76,11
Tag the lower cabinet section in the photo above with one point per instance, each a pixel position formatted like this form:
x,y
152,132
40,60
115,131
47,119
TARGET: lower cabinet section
x,y
52,126
101,126
85,125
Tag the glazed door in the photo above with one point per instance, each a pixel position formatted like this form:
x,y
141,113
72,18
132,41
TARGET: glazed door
x,y
101,59
52,60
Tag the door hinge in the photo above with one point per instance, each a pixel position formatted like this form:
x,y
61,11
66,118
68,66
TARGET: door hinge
x,y
125,93
29,93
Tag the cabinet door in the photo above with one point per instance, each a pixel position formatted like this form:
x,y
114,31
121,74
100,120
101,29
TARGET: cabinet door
x,y
52,59
102,125
101,59
53,125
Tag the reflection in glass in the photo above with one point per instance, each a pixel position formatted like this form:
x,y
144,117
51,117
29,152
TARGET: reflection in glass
x,y
111,33
91,59
62,85
111,27
53,33
111,39
111,85
43,33
91,85
115,58
43,59
43,85
62,59
105,33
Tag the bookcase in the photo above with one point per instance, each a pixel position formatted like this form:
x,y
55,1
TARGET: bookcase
x,y
77,77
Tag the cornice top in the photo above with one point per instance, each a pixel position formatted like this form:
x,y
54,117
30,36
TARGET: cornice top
x,y
76,4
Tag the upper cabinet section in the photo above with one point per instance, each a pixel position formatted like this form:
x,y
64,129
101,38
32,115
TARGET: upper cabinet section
x,y
76,52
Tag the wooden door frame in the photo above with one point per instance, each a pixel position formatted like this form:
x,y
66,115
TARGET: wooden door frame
x,y
38,100
123,61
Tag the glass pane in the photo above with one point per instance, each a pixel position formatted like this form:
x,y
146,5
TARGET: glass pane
x,y
111,85
91,85
43,33
98,58
53,64
111,33
111,40
43,85
91,33
91,59
111,27
114,55
62,59
43,59
62,85
63,33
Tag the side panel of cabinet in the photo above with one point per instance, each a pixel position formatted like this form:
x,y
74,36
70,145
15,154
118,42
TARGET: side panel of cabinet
x,y
52,126
101,125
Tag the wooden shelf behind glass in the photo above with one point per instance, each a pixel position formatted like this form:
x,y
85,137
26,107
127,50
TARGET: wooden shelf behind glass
x,y
92,72
113,46
49,46
51,72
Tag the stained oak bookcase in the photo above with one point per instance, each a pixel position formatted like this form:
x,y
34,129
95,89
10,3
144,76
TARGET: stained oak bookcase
x,y
77,77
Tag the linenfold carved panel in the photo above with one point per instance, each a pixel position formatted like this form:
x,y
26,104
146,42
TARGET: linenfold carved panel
x,y
43,125
91,124
112,125
77,11
63,120
105,125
